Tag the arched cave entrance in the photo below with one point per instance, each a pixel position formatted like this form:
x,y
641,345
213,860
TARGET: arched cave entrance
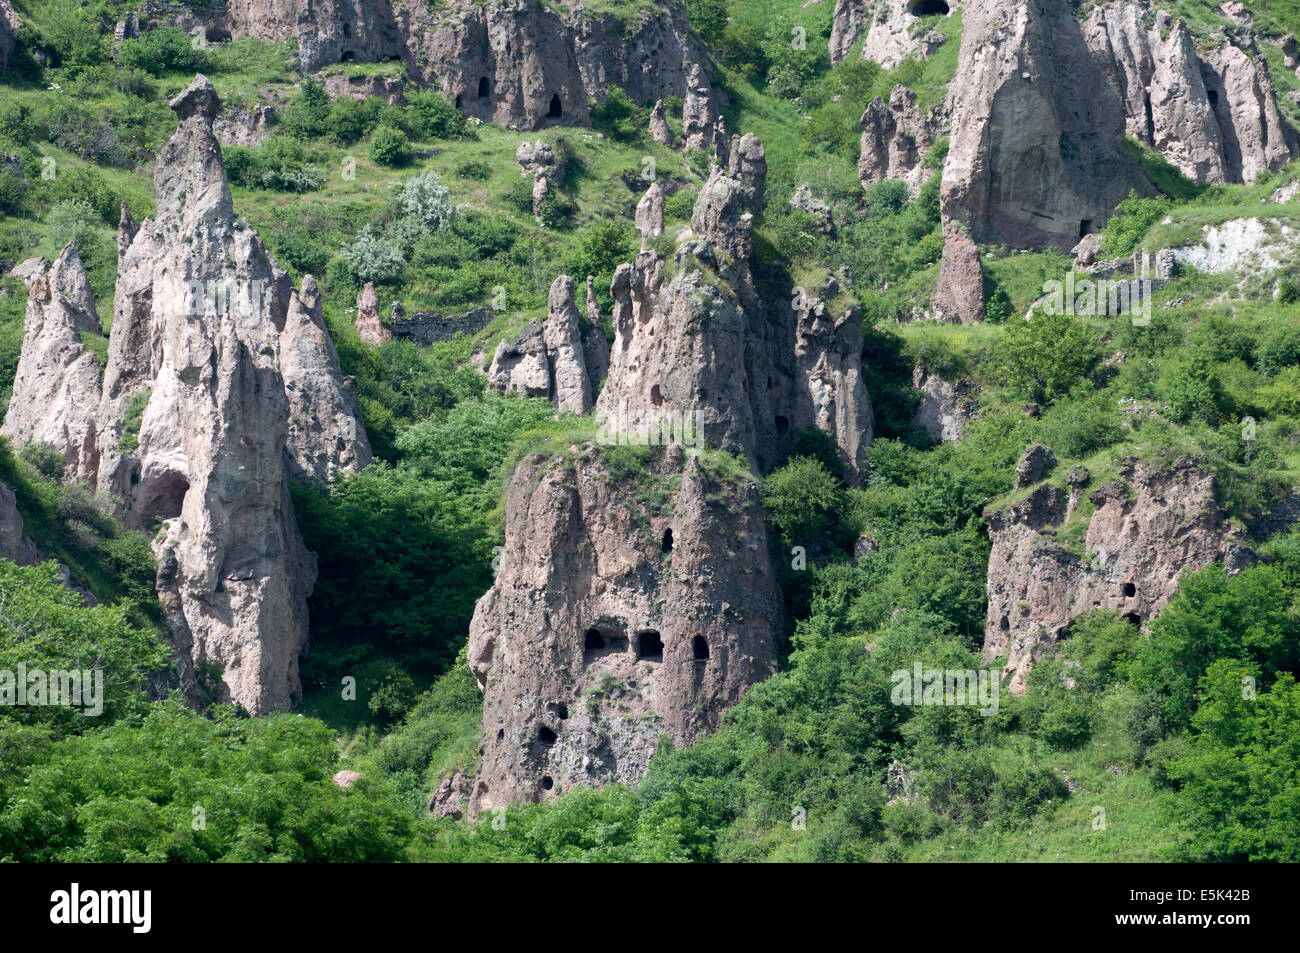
x,y
557,109
927,8
668,540
484,88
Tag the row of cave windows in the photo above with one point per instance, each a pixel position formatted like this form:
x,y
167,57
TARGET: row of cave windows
x,y
1130,590
649,646
554,111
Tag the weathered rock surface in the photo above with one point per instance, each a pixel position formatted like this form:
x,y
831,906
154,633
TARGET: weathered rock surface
x,y
1148,529
704,348
1213,113
804,200
747,164
326,434
1034,465
538,160
650,213
959,294
10,24
56,388
946,408
1034,159
660,131
550,359
892,32
702,126
830,389
508,62
610,624
896,137
369,327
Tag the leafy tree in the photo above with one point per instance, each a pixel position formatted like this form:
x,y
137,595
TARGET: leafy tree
x,y
804,498
1046,356
388,146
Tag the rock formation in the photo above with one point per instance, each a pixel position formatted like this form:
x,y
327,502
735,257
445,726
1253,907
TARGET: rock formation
x,y
946,408
537,160
959,294
896,137
612,623
1035,159
804,200
233,574
369,328
509,62
220,382
326,435
1213,114
613,620
563,359
1149,527
747,164
649,216
892,33
56,389
10,24
659,129
702,126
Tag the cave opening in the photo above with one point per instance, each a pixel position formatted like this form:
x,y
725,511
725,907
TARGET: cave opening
x,y
458,100
484,88
700,648
557,109
1133,618
546,736
562,711
649,646
927,8
597,644
348,57
1214,96
1085,227
782,424
1130,590
668,540
547,782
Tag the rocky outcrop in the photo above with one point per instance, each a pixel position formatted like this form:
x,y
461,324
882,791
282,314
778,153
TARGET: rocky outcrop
x,y
831,392
550,359
56,389
238,126
10,24
896,137
804,200
202,306
847,24
612,623
570,384
1148,528
959,294
1213,114
659,129
1035,158
650,213
326,435
369,327
391,89
1034,466
747,164
702,126
521,365
893,36
538,160
946,408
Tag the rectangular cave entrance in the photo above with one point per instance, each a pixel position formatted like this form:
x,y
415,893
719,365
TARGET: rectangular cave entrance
x,y
597,643
649,646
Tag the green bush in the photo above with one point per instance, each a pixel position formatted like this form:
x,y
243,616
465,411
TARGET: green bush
x,y
389,146
162,50
804,499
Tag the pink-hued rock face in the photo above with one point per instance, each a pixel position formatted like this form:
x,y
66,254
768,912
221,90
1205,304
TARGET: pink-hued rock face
x,y
211,354
1148,529
611,623
1213,113
56,389
1034,158
959,295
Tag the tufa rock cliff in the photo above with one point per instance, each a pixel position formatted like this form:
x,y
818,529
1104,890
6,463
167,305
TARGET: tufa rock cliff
x,y
221,383
56,389
1147,528
613,622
